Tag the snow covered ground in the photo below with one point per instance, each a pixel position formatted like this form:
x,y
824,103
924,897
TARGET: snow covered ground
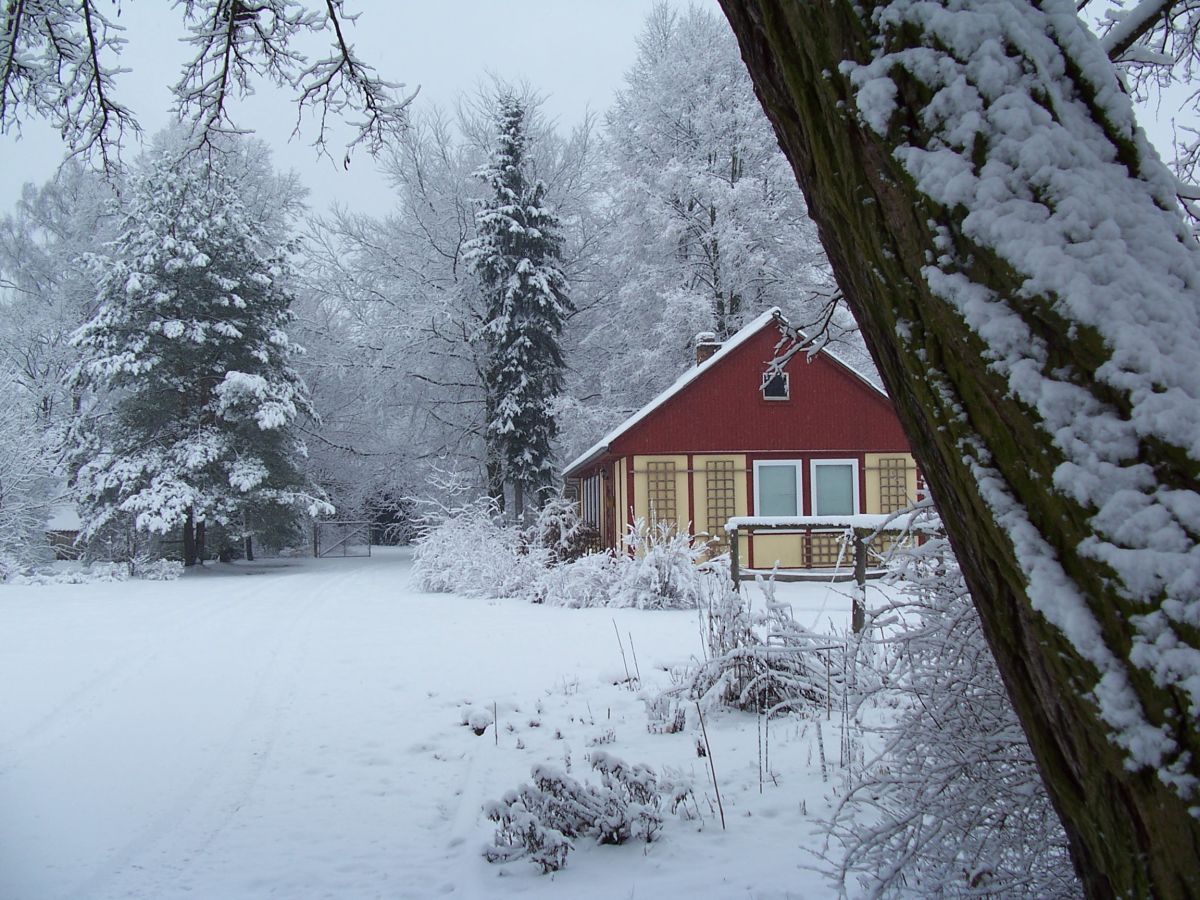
x,y
293,729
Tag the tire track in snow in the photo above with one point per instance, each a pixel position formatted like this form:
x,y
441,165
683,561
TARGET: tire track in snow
x,y
77,705
200,811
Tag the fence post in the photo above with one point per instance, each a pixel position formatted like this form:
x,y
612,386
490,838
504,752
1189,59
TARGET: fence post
x,y
859,613
735,568
316,544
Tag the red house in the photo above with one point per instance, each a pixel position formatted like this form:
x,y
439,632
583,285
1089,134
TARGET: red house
x,y
724,440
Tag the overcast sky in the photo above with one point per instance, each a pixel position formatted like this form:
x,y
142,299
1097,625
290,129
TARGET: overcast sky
x,y
576,52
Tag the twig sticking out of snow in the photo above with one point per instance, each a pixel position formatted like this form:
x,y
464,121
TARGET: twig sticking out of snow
x,y
620,643
711,767
633,650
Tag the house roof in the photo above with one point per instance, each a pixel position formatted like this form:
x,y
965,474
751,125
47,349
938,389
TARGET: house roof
x,y
597,450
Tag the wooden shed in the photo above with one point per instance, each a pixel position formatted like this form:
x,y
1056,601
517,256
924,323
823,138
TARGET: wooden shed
x,y
727,440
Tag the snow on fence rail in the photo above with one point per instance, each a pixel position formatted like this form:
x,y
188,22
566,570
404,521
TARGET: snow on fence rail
x,y
915,521
864,528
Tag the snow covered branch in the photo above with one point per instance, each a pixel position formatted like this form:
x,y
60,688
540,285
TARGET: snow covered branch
x,y
53,66
57,63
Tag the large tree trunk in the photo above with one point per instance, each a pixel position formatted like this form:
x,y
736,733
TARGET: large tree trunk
x,y
189,539
519,501
201,532
1059,577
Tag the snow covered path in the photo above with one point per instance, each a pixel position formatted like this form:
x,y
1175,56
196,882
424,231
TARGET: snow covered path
x,y
293,729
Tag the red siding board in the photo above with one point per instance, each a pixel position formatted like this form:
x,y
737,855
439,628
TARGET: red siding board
x,y
830,409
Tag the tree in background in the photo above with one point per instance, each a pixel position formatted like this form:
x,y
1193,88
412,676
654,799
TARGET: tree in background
x,y
192,398
46,288
515,255
27,482
393,317
1013,252
1155,45
707,226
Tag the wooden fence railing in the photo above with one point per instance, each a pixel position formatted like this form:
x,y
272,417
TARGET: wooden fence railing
x,y
863,529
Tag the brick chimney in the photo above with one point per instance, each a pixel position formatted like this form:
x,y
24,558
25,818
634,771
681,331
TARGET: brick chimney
x,y
706,345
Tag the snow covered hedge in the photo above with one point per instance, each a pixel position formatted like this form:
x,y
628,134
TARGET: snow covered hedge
x,y
147,569
471,551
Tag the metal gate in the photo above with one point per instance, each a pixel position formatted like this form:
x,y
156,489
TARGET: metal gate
x,y
341,539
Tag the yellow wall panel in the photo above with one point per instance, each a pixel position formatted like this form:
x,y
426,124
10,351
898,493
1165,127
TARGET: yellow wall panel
x,y
786,549
872,460
641,486
700,479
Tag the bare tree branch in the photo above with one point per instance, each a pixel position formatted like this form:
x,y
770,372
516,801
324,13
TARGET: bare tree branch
x,y
52,66
56,64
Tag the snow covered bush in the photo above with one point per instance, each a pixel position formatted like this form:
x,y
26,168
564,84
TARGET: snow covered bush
x,y
756,659
957,805
96,572
663,571
468,550
157,569
559,530
540,821
477,718
587,581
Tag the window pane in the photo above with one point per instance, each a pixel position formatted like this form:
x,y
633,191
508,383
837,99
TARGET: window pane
x,y
833,488
777,387
777,490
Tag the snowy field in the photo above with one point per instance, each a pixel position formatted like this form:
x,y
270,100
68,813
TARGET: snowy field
x,y
293,729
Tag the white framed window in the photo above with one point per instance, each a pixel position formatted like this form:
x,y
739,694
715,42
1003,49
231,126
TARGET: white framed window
x,y
778,487
834,487
775,387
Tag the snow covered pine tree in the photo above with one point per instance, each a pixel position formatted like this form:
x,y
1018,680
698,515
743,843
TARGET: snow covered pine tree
x,y
1012,249
515,255
190,394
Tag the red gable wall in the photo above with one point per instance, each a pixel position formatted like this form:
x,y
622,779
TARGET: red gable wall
x,y
829,409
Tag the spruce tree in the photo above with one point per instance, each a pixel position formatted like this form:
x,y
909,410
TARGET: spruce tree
x,y
516,257
187,366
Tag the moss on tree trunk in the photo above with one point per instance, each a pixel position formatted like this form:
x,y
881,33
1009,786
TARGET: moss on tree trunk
x,y
1130,834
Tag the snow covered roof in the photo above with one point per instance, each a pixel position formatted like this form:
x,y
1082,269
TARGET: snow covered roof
x,y
748,331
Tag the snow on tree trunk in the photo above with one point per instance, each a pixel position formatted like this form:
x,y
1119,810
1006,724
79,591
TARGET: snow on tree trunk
x,y
1011,249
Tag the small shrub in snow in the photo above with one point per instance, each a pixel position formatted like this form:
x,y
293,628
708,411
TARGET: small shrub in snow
x,y
469,551
540,821
561,533
757,659
96,572
587,581
150,570
476,718
663,571
157,569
